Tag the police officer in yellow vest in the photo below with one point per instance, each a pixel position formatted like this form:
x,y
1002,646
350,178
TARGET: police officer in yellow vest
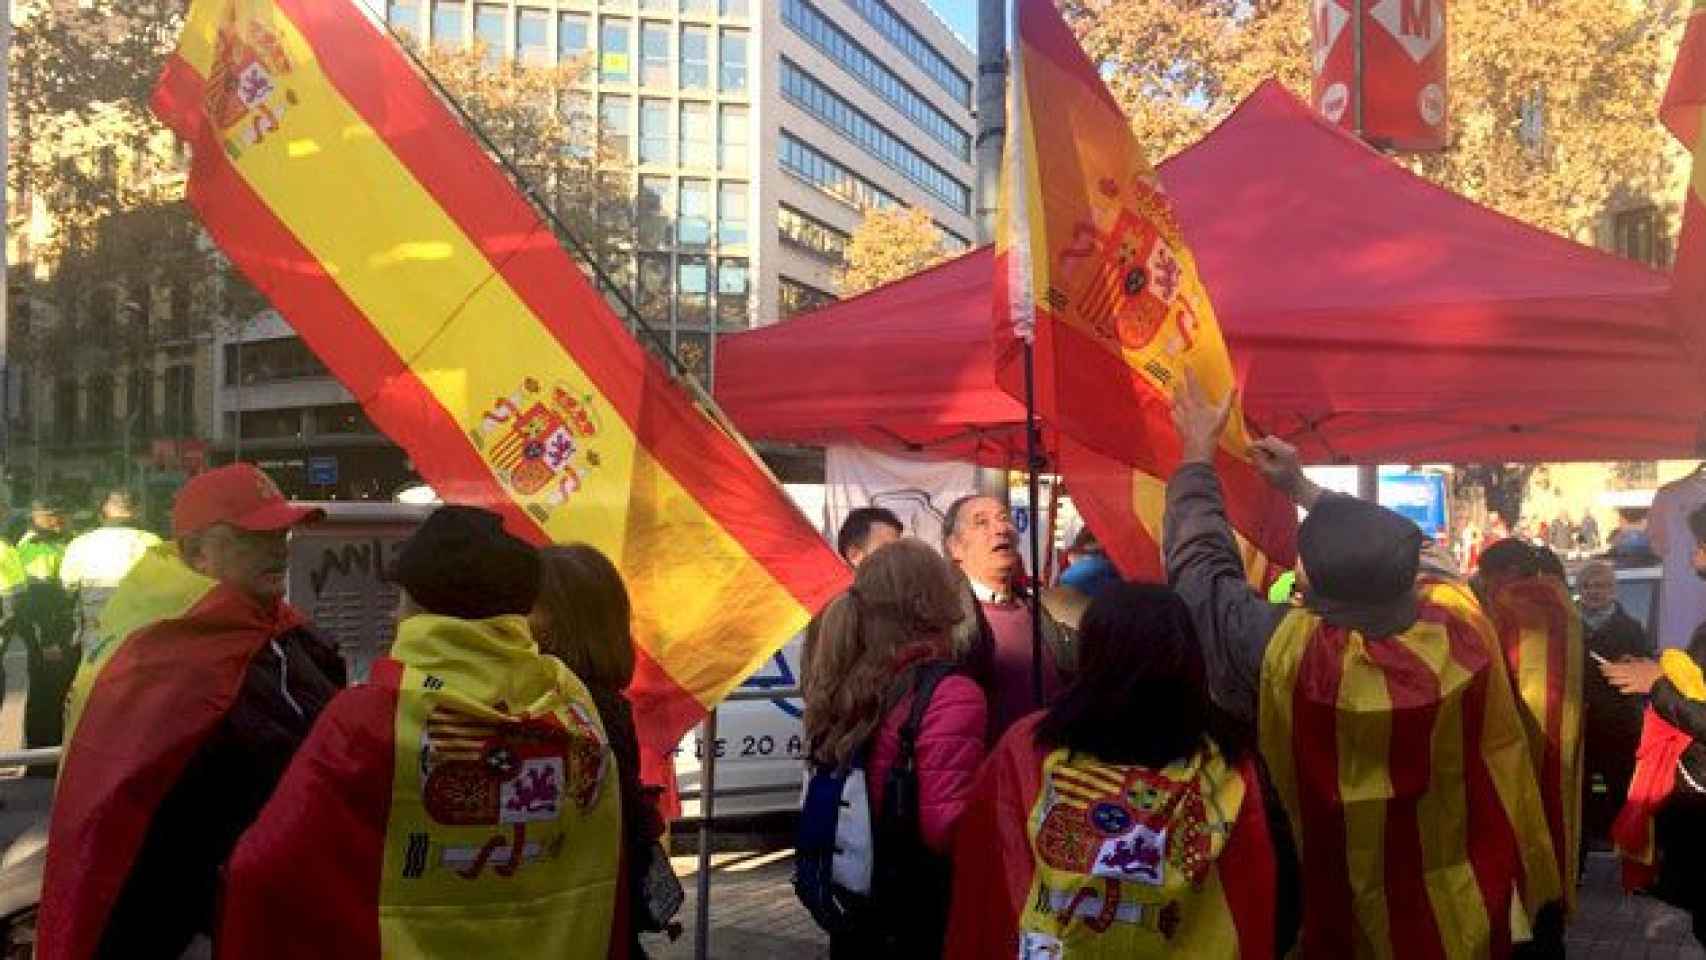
x,y
42,547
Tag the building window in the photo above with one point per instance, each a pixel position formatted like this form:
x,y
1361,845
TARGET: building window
x,y
731,214
491,22
572,35
832,178
696,135
733,8
345,419
270,361
800,297
657,6
654,131
693,305
139,402
615,206
615,40
65,410
731,75
447,26
404,16
695,58
693,350
653,213
576,111
533,36
654,55
654,288
697,7
613,123
732,140
733,284
99,418
807,21
812,235
270,424
693,223
1637,234
180,306
818,100
914,47
179,412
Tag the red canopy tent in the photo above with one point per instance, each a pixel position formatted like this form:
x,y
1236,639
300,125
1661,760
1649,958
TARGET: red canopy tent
x,y
1381,318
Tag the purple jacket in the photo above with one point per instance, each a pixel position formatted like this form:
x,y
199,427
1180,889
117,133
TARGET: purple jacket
x,y
950,750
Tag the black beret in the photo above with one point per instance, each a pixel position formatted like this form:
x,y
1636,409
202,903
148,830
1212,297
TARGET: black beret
x,y
462,563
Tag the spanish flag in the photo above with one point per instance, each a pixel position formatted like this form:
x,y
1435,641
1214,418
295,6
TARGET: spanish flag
x,y
1542,639
1401,764
1093,269
1661,749
462,804
1059,855
347,192
171,650
1682,110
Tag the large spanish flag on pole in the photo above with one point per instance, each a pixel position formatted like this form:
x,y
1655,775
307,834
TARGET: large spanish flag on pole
x,y
1092,267
348,193
1682,110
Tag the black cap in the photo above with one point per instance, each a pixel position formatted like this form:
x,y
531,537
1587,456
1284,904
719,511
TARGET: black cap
x,y
1357,552
462,563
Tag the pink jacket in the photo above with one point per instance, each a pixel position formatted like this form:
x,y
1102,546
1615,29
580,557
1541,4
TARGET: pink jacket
x,y
950,750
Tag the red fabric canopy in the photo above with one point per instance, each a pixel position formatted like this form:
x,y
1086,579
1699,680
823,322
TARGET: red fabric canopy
x,y
1381,318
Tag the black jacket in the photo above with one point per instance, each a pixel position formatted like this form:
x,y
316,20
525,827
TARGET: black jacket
x,y
1689,716
1613,718
168,897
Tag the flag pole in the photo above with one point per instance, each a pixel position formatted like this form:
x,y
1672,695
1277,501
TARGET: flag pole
x,y
1033,464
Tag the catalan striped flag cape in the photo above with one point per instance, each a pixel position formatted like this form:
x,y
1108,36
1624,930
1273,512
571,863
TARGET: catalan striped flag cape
x,y
1681,111
1092,268
1656,759
1402,765
347,192
462,804
1541,634
169,656
1059,855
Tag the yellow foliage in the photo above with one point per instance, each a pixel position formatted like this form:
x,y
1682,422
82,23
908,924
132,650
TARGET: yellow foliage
x,y
889,245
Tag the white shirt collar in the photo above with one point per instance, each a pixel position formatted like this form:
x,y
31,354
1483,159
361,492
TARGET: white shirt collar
x,y
989,595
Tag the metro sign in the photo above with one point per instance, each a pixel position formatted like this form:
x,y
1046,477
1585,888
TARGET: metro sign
x,y
1417,25
1330,20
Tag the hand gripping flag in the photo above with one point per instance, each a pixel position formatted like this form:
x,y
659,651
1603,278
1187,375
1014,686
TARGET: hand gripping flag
x,y
1542,639
1092,268
168,659
1402,765
347,192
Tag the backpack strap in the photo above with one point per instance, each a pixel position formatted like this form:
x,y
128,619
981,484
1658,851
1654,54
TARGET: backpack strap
x,y
923,689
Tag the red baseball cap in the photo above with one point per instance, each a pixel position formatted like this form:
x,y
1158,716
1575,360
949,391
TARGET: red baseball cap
x,y
238,494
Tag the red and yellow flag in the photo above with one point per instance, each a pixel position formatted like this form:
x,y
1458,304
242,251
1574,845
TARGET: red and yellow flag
x,y
347,192
1402,765
1682,111
1662,747
1541,634
420,820
169,657
1093,269
1058,855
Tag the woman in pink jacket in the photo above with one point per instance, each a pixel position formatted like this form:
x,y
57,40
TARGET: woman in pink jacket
x,y
878,647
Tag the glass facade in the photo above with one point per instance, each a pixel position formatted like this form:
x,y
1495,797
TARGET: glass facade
x,y
914,47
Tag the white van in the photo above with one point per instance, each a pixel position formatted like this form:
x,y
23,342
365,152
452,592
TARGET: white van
x,y
760,747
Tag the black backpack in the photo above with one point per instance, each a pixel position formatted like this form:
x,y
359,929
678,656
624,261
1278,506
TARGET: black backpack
x,y
875,880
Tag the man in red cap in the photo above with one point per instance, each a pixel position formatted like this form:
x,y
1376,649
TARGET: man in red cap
x,y
196,688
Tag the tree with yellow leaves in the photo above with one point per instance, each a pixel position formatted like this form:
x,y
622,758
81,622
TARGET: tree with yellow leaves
x,y
1552,104
889,245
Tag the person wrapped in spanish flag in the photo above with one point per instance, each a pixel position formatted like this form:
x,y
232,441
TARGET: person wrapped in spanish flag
x,y
1383,713
463,803
1116,823
195,689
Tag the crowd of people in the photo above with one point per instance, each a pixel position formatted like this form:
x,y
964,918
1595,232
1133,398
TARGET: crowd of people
x,y
1389,758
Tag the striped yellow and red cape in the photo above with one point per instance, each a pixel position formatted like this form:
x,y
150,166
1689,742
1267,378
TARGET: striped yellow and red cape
x,y
1092,266
1541,634
462,804
170,653
1403,767
1061,856
348,193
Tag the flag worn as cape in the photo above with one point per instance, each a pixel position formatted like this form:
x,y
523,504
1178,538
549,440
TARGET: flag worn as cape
x,y
462,804
168,659
1656,759
1061,856
350,196
1404,769
1541,634
1093,269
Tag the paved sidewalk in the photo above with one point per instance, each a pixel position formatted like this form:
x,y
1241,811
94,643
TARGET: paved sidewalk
x,y
1613,926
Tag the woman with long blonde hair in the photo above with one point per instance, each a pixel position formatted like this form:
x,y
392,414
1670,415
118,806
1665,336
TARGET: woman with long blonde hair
x,y
881,644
